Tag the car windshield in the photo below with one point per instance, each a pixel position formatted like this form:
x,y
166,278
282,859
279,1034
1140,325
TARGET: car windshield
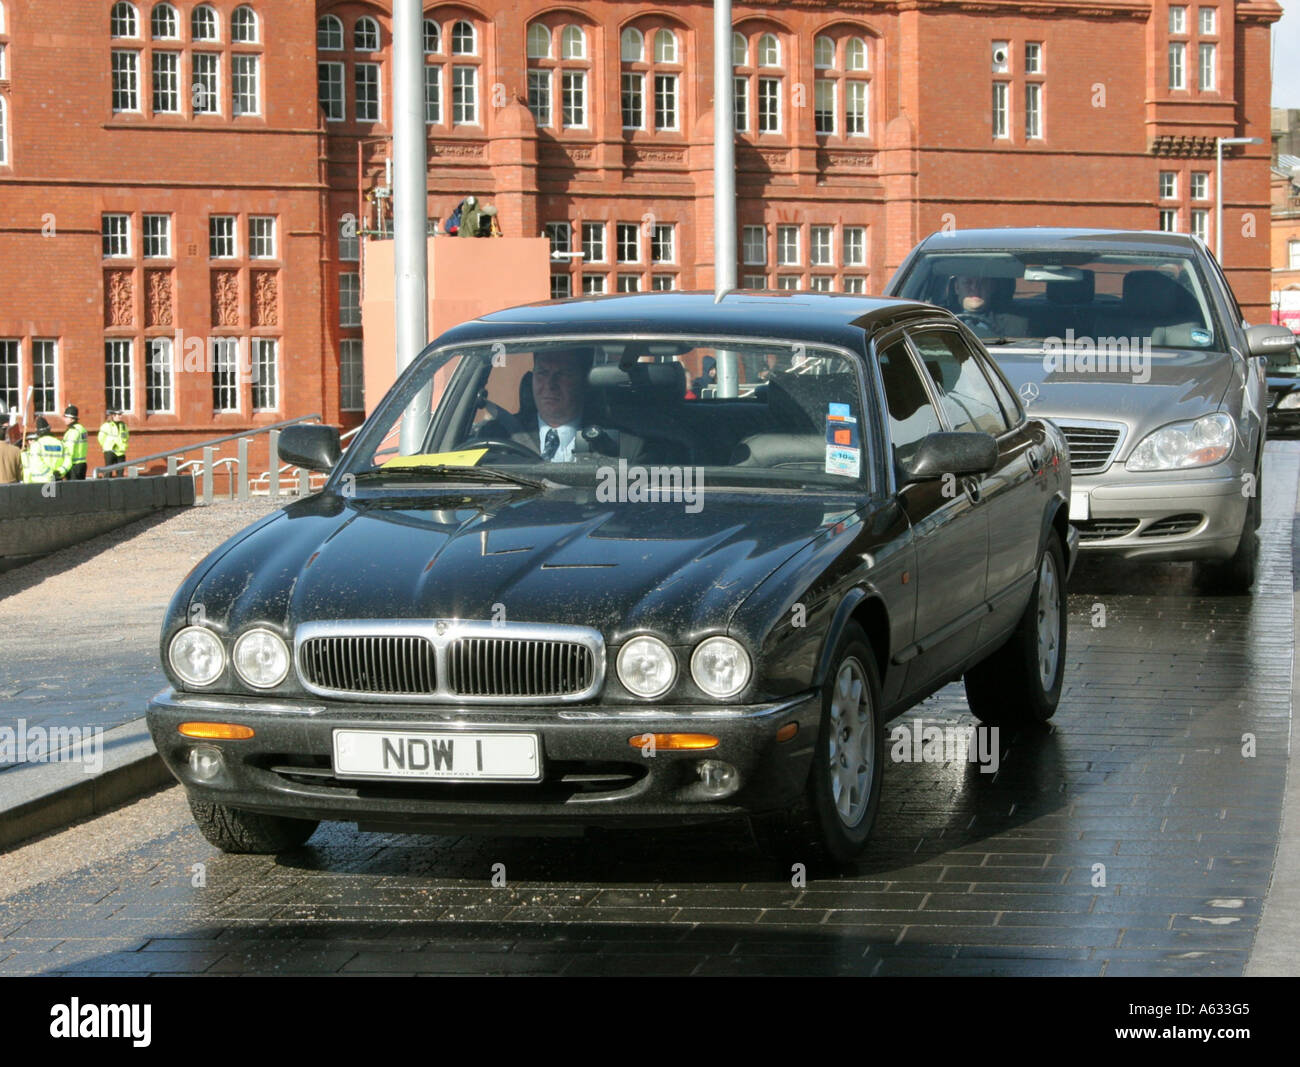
x,y
1287,361
1155,301
771,415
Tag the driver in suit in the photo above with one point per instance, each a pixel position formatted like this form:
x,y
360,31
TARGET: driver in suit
x,y
561,416
981,299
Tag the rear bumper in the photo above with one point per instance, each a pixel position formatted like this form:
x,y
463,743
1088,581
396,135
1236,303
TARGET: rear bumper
x,y
592,775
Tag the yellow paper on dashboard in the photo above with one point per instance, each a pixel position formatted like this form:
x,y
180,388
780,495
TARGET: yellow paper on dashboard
x,y
466,457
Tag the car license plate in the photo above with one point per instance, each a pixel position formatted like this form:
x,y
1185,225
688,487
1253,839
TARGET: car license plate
x,y
420,754
1079,504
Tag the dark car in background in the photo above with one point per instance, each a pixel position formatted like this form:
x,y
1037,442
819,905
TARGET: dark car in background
x,y
1283,379
678,608
1133,343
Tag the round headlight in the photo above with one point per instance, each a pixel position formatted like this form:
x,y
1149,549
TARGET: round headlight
x,y
720,666
646,667
197,655
261,658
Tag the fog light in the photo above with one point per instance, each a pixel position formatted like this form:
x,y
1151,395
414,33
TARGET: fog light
x,y
717,778
205,762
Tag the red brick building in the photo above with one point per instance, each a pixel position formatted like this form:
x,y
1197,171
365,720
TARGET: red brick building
x,y
182,183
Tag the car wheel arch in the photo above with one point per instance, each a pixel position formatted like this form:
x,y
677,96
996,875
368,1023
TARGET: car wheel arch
x,y
866,608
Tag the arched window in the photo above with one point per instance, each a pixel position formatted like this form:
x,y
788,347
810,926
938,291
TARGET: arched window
x,y
665,47
855,54
365,35
464,40
573,43
650,90
122,20
203,23
432,38
243,25
329,34
557,87
739,50
164,23
539,41
760,85
632,45
841,94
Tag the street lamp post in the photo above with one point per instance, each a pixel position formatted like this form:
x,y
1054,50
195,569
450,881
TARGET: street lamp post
x,y
1219,142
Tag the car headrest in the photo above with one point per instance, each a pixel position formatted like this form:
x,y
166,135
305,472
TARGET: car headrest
x,y
667,381
1150,293
526,402
1080,292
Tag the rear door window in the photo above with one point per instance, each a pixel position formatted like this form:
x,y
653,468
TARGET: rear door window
x,y
968,401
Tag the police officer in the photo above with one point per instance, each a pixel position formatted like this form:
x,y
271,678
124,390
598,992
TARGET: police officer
x,y
74,447
45,456
113,437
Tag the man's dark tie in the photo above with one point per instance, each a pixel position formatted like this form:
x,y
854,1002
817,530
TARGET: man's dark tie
x,y
552,445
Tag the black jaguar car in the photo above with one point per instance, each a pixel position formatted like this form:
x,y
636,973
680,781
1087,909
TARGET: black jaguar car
x,y
629,561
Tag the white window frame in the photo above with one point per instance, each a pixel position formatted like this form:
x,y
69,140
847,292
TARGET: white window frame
x,y
165,84
1293,254
667,102
561,285
739,50
115,235
754,281
224,352
627,242
537,44
593,242
164,23
632,84
371,81
461,30
158,363
1200,185
1200,222
573,99
214,22
119,371
1177,18
1207,66
123,21
740,89
246,83
1168,222
432,38
855,246
1033,111
433,106
269,390
593,284
825,109
560,235
764,113
857,55
789,251
336,107
631,45
366,37
209,76
540,102
349,244
1001,111
158,243
1177,66
329,34
223,233
628,283
821,246
38,363
261,237
1208,19
126,81
464,97
238,25
663,283
754,246
767,52
854,283
1033,57
663,243
568,36
1168,185
823,53
666,46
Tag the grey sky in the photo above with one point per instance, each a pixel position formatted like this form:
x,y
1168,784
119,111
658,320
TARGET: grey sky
x,y
1286,53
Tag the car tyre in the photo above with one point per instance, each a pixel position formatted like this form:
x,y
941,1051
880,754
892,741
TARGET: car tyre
x,y
249,832
832,819
1020,683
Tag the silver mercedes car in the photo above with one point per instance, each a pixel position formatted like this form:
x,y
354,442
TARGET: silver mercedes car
x,y
1133,343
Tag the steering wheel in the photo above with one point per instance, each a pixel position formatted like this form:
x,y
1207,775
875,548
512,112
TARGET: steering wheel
x,y
507,444
977,322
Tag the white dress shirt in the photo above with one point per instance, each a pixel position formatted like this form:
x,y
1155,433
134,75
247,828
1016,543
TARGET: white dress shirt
x,y
568,433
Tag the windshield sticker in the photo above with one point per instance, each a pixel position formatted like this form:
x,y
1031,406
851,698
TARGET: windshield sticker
x,y
843,446
1200,337
467,457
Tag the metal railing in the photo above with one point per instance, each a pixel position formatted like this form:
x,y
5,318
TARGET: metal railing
x,y
265,476
236,466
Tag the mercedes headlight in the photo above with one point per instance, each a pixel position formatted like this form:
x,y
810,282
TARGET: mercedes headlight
x,y
197,656
1289,402
646,667
1184,444
720,666
261,658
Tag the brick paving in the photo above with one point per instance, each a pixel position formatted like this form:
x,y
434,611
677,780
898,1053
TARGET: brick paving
x,y
969,873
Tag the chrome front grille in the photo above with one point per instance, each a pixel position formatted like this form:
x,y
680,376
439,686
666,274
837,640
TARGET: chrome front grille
x,y
381,665
492,666
1092,444
450,661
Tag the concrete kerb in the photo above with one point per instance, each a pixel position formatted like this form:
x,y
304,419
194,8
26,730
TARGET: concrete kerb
x,y
36,798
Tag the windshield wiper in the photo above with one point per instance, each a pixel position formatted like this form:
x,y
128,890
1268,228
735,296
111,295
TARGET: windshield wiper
x,y
458,474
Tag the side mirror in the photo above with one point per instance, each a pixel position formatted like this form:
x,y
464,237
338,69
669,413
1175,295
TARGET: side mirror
x,y
314,448
950,453
1265,340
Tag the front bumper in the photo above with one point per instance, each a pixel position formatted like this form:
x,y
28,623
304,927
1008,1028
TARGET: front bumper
x,y
1194,516
592,775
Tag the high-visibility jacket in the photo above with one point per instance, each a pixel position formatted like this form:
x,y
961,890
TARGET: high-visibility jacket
x,y
74,447
113,436
44,458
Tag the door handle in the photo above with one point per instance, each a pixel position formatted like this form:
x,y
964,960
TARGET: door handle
x,y
973,490
1035,464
